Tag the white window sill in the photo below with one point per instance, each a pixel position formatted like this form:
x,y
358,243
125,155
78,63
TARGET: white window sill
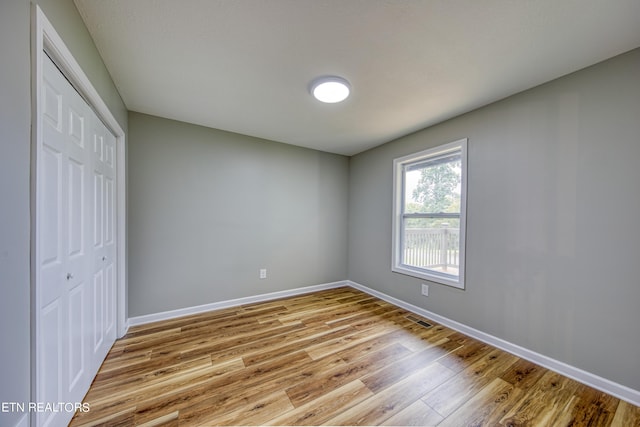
x,y
432,276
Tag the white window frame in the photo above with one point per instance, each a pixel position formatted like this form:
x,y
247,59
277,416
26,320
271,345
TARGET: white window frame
x,y
397,264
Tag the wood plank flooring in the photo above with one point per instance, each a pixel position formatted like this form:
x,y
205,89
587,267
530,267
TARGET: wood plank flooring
x,y
336,357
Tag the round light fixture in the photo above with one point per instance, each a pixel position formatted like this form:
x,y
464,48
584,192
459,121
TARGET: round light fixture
x,y
330,89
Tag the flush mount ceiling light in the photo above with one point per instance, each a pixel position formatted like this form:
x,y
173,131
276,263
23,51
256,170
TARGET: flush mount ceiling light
x,y
330,89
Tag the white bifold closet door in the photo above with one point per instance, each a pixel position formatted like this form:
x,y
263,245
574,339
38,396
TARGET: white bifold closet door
x,y
75,246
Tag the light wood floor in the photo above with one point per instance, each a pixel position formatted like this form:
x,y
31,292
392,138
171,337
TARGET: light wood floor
x,y
336,357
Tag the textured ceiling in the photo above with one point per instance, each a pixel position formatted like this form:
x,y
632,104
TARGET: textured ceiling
x,y
245,65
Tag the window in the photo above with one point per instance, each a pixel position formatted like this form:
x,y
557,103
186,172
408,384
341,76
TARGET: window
x,y
429,214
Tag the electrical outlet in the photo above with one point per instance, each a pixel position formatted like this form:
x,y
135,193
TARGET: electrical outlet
x,y
263,273
425,290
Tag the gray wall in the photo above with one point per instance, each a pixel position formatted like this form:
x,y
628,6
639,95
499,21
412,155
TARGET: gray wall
x,y
553,239
209,208
15,134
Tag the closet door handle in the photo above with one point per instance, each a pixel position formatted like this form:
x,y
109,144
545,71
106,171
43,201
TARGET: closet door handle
x,y
69,276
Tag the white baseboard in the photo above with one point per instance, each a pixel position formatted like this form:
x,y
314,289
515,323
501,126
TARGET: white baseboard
x,y
618,390
172,314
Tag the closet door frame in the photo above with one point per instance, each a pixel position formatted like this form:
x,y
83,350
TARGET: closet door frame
x,y
45,38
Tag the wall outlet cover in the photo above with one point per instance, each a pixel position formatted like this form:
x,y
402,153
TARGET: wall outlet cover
x,y
425,290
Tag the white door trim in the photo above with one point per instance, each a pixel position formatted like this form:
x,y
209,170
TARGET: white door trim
x,y
45,37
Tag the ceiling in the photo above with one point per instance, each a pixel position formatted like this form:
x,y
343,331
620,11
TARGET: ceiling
x,y
245,65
